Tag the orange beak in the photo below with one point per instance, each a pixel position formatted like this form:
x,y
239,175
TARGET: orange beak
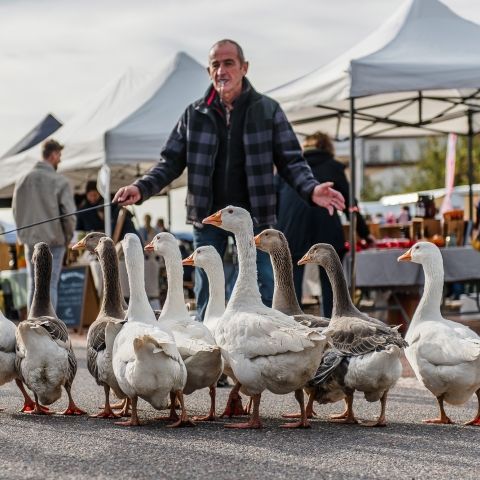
x,y
79,245
149,247
257,240
406,257
305,259
188,261
215,219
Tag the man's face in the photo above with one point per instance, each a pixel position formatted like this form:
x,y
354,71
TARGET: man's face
x,y
226,70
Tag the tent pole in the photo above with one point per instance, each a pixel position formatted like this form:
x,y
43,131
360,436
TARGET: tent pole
x,y
353,175
169,210
470,166
107,210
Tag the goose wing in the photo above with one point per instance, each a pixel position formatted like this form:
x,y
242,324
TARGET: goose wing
x,y
257,335
445,347
354,336
311,321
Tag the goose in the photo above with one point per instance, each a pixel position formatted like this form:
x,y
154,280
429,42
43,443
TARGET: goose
x,y
285,300
145,359
99,359
202,356
365,354
208,258
444,355
266,349
7,360
45,360
96,332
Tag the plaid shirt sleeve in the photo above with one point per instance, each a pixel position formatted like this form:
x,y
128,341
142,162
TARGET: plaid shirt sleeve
x,y
289,160
171,164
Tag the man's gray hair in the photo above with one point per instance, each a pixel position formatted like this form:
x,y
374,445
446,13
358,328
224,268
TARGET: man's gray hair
x,y
240,54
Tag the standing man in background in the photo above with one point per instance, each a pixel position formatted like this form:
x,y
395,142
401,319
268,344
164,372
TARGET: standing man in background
x,y
42,194
231,140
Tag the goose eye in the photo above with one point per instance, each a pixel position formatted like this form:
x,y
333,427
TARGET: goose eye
x,y
230,211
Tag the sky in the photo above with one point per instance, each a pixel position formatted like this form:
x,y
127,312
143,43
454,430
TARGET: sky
x,y
56,54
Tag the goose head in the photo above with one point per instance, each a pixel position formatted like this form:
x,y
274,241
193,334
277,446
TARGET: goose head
x,y
322,254
90,241
270,240
202,257
233,219
164,243
423,253
102,244
132,248
41,255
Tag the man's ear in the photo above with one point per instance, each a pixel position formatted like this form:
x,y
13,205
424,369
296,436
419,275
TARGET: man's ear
x,y
245,68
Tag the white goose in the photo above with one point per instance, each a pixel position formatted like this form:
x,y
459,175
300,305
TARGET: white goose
x,y
196,344
208,258
266,349
45,360
444,355
145,359
7,360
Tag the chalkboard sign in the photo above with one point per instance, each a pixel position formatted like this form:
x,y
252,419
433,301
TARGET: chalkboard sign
x,y
71,292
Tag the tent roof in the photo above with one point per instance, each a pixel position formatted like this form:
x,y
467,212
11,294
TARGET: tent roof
x,y
42,130
420,69
125,126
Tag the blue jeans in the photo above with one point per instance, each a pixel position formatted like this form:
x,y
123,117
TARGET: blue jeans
x,y
210,235
58,252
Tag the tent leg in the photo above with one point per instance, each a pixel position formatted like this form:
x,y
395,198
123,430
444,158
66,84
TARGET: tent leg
x,y
353,175
470,166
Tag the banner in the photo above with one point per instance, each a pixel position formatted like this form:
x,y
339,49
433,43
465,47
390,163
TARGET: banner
x,y
449,172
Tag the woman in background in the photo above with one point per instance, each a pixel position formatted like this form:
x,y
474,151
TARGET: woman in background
x,y
304,225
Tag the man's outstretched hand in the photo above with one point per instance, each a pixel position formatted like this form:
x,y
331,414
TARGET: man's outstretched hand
x,y
127,195
325,196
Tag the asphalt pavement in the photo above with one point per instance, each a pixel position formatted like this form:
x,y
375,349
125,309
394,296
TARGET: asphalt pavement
x,y
56,447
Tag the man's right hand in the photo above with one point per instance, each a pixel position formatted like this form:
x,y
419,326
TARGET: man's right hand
x,y
127,195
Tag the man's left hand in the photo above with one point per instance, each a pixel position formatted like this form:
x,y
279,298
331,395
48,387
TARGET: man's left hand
x,y
325,196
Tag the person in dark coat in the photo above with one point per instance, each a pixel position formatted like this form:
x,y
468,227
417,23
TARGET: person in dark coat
x,y
304,225
93,220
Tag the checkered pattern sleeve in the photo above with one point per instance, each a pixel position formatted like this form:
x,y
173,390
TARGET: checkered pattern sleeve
x,y
288,158
171,164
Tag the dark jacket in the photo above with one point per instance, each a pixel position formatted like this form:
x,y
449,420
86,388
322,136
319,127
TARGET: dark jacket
x,y
305,225
268,140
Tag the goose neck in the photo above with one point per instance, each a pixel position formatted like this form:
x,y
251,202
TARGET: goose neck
x,y
429,305
175,302
342,302
41,303
284,297
112,293
138,306
216,291
246,291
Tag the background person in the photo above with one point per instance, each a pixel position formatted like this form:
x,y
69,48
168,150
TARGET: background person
x,y
231,140
42,194
94,220
304,225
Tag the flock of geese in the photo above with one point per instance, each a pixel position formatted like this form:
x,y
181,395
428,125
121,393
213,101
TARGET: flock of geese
x,y
161,357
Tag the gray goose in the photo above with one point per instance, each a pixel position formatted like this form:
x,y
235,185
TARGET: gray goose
x,y
99,351
43,344
365,354
275,244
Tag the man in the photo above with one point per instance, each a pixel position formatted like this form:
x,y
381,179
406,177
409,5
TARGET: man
x,y
148,231
231,140
42,194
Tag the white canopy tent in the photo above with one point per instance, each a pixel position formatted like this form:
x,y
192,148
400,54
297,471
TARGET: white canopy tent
x,y
418,73
124,127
